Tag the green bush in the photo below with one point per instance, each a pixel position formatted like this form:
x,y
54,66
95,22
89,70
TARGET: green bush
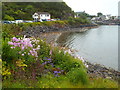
x,y
9,30
77,21
77,75
64,60
44,49
8,54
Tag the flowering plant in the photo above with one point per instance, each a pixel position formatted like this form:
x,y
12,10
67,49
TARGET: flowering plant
x,y
26,47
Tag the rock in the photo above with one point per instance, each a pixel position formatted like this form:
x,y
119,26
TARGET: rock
x,y
109,73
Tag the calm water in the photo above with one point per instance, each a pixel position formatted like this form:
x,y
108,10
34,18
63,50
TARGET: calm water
x,y
98,45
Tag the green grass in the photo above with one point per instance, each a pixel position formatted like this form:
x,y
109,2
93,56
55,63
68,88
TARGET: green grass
x,y
59,82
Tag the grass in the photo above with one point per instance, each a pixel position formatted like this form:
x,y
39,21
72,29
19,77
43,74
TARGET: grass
x,y
59,82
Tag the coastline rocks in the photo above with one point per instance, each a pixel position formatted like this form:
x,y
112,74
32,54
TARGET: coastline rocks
x,y
37,30
102,71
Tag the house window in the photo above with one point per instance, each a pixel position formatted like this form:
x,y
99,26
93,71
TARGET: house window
x,y
47,15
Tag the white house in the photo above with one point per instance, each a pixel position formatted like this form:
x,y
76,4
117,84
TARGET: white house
x,y
40,16
108,17
102,17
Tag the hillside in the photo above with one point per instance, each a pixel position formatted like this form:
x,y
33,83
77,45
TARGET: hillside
x,y
25,10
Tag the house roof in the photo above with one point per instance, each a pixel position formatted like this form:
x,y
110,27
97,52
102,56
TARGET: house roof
x,y
42,12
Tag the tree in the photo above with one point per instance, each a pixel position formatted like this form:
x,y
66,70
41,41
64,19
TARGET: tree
x,y
99,14
19,14
25,10
7,17
29,9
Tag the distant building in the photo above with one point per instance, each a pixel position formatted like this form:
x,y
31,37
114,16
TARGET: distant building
x,y
77,14
102,17
119,17
108,17
41,16
95,19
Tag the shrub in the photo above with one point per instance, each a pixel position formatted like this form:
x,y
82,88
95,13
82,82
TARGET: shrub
x,y
77,75
77,21
44,50
5,71
64,60
71,21
25,49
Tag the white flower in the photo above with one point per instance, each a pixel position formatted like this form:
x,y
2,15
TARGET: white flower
x,y
22,54
69,51
38,46
86,65
82,59
65,52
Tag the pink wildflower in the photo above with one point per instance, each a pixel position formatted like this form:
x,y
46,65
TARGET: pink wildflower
x,y
15,39
10,43
22,47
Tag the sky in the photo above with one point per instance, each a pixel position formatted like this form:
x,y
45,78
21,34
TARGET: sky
x,y
92,7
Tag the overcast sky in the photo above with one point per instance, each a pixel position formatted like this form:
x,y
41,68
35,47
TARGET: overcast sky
x,y
92,7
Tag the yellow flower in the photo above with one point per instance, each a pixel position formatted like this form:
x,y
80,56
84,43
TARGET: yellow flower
x,y
20,63
6,72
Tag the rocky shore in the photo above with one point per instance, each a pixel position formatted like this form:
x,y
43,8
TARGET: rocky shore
x,y
97,70
37,30
51,34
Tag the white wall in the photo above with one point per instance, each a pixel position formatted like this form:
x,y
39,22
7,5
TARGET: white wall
x,y
44,16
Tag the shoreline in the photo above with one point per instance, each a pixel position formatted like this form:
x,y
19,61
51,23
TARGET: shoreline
x,y
93,70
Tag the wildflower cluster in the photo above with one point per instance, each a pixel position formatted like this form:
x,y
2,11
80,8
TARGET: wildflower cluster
x,y
82,59
25,44
57,72
76,56
47,61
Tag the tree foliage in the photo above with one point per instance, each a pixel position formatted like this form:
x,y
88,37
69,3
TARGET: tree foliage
x,y
25,10
7,17
99,14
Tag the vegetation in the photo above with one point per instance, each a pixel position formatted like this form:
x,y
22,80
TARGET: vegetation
x,y
32,63
25,10
78,21
28,58
99,14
